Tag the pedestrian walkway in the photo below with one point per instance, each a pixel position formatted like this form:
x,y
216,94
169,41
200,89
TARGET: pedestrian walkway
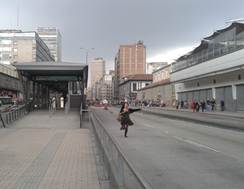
x,y
43,151
221,113
230,121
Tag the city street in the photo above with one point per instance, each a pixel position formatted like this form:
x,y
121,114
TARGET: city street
x,y
178,154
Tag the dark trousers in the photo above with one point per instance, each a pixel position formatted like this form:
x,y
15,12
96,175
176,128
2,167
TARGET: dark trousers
x,y
126,129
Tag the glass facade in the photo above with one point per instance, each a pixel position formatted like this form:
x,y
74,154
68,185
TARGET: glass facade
x,y
52,37
222,42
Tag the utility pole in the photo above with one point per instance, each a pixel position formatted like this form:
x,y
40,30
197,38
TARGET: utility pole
x,y
17,17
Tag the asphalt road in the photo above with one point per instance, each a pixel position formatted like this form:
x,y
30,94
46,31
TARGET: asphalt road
x,y
175,154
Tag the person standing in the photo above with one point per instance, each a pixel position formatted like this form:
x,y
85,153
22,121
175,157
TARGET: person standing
x,y
125,118
203,105
213,104
197,106
193,106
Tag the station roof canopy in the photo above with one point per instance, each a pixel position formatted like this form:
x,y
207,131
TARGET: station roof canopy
x,y
50,68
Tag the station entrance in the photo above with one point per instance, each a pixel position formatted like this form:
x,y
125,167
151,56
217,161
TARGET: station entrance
x,y
53,85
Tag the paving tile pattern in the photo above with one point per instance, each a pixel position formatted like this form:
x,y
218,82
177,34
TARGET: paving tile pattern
x,y
55,155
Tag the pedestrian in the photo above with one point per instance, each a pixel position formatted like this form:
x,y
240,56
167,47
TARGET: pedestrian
x,y
203,105
125,118
222,105
119,115
213,104
181,104
193,106
197,106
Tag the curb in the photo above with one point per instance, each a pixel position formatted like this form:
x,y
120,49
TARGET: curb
x,y
233,126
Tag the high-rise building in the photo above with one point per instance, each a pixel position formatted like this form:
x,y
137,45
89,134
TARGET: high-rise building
x,y
53,39
130,60
96,73
104,88
18,46
96,70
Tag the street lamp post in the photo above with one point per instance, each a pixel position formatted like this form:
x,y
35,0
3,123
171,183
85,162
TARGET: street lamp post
x,y
86,51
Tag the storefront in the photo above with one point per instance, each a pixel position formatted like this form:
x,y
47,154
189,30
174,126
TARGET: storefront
x,y
240,97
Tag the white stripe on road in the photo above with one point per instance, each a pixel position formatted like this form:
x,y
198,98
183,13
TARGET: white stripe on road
x,y
196,144
149,126
184,139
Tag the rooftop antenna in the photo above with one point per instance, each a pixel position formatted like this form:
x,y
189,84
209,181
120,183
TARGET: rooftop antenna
x,y
235,20
17,14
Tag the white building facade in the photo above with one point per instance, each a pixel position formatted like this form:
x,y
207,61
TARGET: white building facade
x,y
153,66
213,70
53,39
18,46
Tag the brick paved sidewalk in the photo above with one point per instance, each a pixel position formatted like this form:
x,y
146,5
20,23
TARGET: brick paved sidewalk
x,y
46,152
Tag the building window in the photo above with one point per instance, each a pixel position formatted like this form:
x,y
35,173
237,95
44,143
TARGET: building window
x,y
198,84
134,86
239,77
214,81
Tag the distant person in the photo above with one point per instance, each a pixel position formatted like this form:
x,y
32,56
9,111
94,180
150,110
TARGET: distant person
x,y
222,105
193,106
197,106
125,118
212,105
203,105
181,104
177,105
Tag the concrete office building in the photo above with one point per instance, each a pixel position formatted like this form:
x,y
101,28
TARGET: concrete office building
x,y
103,88
214,70
161,91
129,86
18,46
130,60
153,66
96,70
53,39
96,73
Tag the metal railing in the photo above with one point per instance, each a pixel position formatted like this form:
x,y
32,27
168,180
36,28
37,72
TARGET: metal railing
x,y
83,113
122,173
12,115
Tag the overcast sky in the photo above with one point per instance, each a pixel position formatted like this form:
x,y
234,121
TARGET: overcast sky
x,y
168,28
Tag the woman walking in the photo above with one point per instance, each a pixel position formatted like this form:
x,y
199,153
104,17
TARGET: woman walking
x,y
125,117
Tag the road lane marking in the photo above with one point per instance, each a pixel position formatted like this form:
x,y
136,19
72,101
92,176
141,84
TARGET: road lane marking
x,y
149,126
196,144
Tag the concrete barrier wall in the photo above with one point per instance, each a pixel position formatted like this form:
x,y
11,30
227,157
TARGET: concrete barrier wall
x,y
122,173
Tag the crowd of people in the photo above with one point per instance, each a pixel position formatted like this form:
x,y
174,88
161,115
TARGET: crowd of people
x,y
196,106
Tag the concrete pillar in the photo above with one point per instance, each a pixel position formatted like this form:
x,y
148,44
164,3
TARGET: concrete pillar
x,y
214,93
38,94
34,91
176,96
234,96
70,87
